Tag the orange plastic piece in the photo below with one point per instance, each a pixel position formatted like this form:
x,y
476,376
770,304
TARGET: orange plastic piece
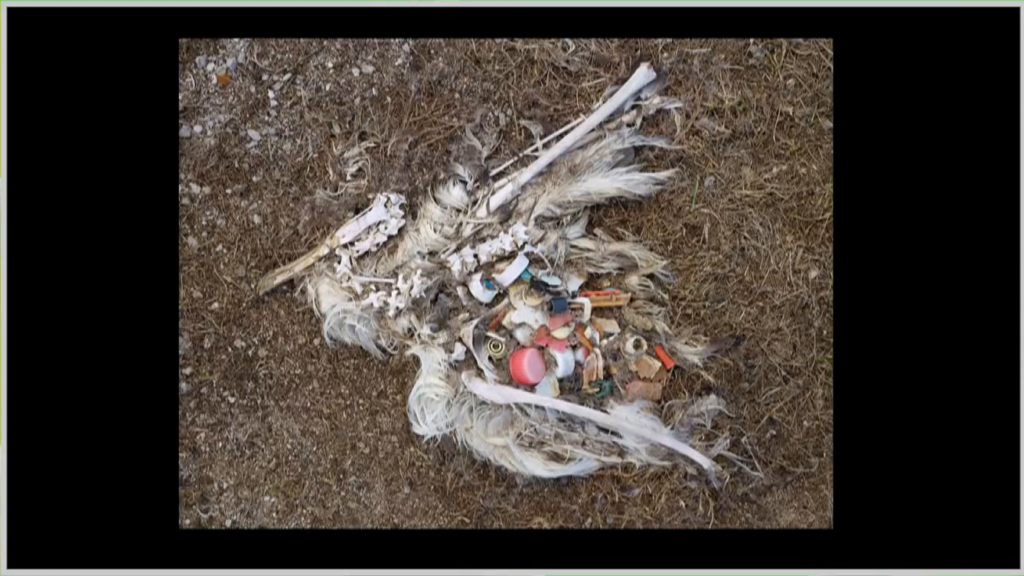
x,y
581,333
497,320
599,293
666,360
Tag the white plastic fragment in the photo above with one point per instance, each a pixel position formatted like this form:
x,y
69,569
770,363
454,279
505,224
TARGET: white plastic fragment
x,y
587,307
523,334
548,387
580,355
458,353
562,333
514,270
564,362
532,317
479,291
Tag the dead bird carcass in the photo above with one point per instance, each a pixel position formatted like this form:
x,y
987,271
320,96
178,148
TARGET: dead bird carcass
x,y
524,358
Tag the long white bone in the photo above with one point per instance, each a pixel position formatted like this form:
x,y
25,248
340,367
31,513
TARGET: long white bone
x,y
349,231
643,76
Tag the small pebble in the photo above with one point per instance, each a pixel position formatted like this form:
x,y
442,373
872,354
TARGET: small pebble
x,y
210,67
185,132
240,271
232,64
253,134
184,388
215,306
239,343
265,77
227,523
198,128
187,371
405,48
201,62
256,219
355,71
366,68
193,242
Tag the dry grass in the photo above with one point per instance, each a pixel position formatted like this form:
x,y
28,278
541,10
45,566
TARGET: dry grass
x,y
275,429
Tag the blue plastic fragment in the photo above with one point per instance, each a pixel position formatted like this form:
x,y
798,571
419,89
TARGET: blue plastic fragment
x,y
526,275
488,285
559,306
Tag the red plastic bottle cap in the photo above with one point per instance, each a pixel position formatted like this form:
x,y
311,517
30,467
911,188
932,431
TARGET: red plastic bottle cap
x,y
527,366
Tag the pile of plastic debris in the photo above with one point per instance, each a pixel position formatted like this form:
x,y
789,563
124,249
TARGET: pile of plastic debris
x,y
554,339
529,356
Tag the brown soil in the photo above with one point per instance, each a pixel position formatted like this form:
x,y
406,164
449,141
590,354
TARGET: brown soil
x,y
276,429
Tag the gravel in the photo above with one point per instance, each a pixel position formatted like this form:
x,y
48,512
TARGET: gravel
x,y
185,132
253,134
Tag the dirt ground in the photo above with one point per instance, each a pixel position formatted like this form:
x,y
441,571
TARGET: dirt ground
x,y
276,429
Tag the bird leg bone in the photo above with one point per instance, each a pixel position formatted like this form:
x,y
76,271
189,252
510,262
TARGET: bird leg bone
x,y
378,212
643,76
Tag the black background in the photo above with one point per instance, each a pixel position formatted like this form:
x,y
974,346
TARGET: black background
x,y
927,471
